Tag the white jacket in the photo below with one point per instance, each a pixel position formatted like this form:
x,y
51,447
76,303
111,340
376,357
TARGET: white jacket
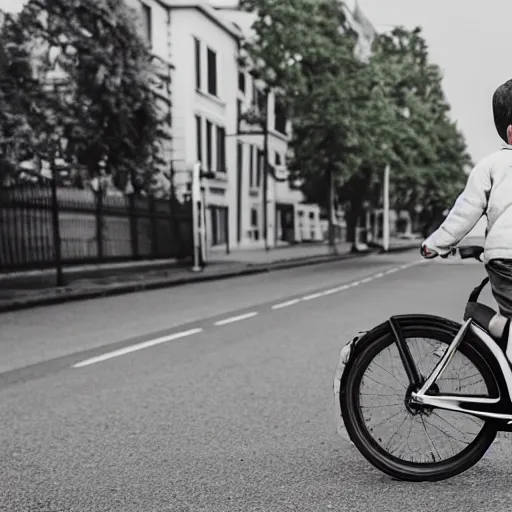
x,y
488,192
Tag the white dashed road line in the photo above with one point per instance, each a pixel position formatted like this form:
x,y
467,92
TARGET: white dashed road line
x,y
238,318
332,290
138,346
285,304
313,296
338,289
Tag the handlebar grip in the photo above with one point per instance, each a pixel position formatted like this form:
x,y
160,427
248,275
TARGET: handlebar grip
x,y
471,251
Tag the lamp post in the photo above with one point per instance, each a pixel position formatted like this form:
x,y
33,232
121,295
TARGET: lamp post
x,y
196,193
199,216
385,215
57,242
265,170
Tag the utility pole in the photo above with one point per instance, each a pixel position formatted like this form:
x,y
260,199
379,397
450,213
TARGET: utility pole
x,y
57,242
196,197
265,171
385,216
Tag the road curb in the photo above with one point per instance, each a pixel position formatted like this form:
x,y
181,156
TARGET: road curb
x,y
68,295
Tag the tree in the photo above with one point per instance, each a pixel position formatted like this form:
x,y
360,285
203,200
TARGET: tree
x,y
19,94
430,152
310,67
351,119
97,70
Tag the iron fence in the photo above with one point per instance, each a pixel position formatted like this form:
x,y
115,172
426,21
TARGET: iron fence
x,y
41,226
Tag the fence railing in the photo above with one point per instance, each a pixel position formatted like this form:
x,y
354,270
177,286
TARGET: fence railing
x,y
90,227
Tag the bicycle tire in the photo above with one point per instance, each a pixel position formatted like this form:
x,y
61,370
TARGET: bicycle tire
x,y
376,341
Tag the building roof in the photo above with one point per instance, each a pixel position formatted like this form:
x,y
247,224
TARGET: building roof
x,y
208,11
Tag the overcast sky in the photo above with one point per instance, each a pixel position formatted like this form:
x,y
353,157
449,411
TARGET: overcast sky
x,y
469,39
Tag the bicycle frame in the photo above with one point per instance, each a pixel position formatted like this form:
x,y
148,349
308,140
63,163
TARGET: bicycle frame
x,y
498,409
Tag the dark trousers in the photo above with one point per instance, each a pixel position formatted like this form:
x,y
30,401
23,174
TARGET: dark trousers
x,y
500,278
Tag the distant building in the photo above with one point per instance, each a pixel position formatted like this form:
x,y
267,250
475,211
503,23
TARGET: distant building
x,y
289,218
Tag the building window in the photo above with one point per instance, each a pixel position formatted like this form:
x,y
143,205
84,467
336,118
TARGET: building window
x,y
259,166
260,95
241,81
240,173
278,160
219,217
254,96
197,50
221,149
147,23
255,232
209,145
251,166
238,114
199,140
280,117
212,72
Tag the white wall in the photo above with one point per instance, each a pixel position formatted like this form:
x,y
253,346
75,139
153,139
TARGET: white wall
x,y
173,33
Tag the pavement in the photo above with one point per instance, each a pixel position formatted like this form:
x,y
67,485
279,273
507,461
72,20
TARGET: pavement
x,y
37,287
217,399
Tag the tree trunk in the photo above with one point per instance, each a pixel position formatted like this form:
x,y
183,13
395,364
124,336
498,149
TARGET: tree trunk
x,y
330,208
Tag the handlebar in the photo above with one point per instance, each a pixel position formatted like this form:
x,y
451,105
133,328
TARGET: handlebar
x,y
471,251
465,252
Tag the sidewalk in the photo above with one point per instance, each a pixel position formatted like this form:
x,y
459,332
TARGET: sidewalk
x,y
36,288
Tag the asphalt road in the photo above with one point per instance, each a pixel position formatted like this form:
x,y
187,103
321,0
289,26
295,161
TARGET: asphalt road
x,y
216,397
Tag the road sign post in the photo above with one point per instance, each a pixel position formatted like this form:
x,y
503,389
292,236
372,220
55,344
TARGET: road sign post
x,y
196,199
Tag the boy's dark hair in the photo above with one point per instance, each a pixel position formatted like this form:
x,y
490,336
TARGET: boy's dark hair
x,y
502,109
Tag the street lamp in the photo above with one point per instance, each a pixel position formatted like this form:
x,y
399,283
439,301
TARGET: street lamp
x,y
385,210
55,141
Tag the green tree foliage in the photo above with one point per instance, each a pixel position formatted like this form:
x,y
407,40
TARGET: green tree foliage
x,y
19,96
351,119
95,72
303,49
430,152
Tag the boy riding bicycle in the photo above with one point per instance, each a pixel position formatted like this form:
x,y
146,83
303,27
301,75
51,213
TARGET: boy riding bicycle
x,y
488,192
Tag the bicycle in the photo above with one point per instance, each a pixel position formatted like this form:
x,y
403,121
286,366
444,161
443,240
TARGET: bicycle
x,y
480,341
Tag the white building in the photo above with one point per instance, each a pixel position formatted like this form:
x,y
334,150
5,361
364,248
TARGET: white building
x,y
204,89
208,95
289,219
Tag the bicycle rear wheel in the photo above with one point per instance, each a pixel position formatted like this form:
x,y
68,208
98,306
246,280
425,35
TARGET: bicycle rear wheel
x,y
416,444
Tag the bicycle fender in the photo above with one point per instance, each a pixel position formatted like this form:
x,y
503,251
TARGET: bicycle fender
x,y
346,354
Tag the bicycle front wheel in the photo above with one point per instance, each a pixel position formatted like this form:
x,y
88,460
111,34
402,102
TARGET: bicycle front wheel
x,y
421,444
